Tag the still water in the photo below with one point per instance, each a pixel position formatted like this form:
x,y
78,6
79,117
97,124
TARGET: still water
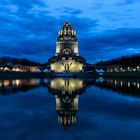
x,y
70,109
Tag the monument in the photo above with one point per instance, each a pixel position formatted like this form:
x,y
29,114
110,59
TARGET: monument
x,y
67,58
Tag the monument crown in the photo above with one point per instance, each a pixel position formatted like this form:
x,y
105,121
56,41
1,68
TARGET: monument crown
x,y
67,33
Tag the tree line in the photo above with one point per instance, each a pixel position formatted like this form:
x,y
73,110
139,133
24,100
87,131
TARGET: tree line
x,y
8,61
125,61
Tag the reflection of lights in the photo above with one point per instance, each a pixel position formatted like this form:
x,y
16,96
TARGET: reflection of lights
x,y
66,85
57,83
138,85
121,83
111,81
33,82
57,103
6,83
66,107
101,80
17,82
13,82
134,83
0,83
128,84
115,82
76,102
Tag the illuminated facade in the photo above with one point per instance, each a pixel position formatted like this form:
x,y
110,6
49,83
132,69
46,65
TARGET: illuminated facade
x,y
66,58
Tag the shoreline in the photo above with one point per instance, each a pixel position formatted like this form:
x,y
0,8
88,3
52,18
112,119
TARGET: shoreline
x,y
21,75
121,74
29,75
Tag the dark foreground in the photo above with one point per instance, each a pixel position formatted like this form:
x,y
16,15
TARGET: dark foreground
x,y
106,109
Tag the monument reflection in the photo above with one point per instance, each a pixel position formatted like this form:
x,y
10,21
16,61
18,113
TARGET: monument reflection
x,y
66,92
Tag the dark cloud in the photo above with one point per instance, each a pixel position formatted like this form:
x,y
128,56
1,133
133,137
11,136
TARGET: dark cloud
x,y
110,44
27,28
116,38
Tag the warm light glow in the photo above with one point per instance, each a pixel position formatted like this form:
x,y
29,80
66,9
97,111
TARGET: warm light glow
x,y
17,82
6,83
0,83
66,85
57,67
66,66
6,69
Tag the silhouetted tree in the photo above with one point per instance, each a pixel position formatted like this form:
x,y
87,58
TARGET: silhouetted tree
x,y
125,61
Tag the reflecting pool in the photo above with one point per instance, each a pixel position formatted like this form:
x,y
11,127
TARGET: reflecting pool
x,y
70,109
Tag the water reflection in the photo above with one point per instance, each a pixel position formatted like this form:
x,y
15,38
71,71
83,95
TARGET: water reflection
x,y
17,85
128,87
69,86
67,91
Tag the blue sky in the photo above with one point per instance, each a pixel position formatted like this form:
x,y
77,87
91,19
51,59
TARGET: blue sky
x,y
105,29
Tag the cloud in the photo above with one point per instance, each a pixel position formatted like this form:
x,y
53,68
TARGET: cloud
x,y
120,37
110,44
29,29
